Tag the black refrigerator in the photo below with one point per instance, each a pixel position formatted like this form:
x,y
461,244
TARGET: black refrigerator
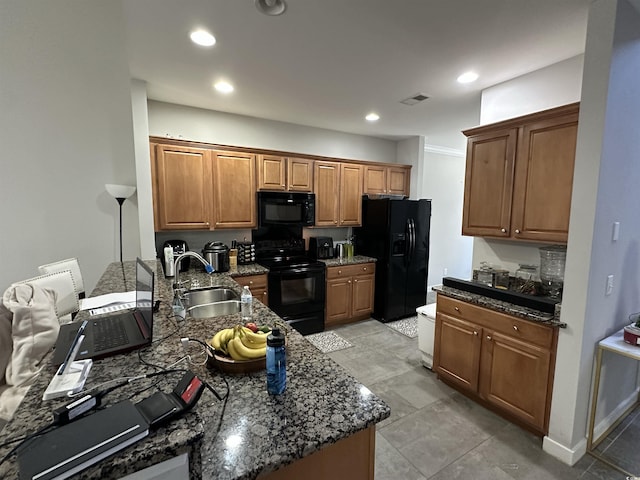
x,y
396,233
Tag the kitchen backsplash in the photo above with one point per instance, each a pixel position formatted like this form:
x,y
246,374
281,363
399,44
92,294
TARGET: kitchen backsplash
x,y
504,254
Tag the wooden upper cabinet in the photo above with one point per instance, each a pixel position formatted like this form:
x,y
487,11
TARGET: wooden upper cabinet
x,y
489,183
380,179
398,180
544,179
277,173
181,187
350,194
375,179
326,179
272,172
519,177
299,175
234,189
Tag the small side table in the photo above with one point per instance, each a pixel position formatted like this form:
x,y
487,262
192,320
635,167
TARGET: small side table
x,y
614,343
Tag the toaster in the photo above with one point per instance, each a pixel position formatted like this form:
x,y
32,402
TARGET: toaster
x,y
321,247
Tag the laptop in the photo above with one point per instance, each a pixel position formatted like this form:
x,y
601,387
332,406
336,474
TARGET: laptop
x,y
117,332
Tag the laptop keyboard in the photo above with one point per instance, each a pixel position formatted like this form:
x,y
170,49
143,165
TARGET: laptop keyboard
x,y
109,333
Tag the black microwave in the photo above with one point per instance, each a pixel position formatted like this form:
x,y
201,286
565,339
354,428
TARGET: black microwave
x,y
281,208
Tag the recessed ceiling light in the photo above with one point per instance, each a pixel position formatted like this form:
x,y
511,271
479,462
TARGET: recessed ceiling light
x,y
223,87
372,117
203,38
468,77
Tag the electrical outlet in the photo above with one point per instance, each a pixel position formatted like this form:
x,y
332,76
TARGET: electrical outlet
x,y
445,271
609,288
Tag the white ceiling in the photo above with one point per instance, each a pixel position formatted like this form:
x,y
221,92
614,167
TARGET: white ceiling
x,y
327,63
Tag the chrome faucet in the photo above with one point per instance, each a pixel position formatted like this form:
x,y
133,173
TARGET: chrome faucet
x,y
178,306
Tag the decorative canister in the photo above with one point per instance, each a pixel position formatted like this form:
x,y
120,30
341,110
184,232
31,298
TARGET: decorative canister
x,y
552,262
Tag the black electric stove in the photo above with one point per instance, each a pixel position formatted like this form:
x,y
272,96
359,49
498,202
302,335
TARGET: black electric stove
x,y
296,283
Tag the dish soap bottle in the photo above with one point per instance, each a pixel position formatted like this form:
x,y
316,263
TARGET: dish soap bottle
x,y
246,304
276,363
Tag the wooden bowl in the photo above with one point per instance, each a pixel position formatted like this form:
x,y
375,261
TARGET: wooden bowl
x,y
229,365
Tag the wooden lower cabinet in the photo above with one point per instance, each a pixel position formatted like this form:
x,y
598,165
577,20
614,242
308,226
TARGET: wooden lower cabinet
x,y
505,362
350,290
352,458
258,286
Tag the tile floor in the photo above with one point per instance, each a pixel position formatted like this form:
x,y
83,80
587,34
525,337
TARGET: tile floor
x,y
435,432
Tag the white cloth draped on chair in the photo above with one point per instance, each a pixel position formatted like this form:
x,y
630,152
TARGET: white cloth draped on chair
x,y
29,328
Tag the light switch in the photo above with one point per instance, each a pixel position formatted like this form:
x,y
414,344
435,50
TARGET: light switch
x,y
616,231
609,285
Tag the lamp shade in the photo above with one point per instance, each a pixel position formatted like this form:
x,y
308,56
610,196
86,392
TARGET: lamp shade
x,y
120,191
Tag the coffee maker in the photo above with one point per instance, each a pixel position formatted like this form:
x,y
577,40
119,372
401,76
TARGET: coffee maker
x,y
321,247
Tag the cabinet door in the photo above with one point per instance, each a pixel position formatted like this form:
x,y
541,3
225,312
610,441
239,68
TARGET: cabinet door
x,y
326,176
544,179
363,288
182,188
398,181
299,175
271,172
234,190
457,351
338,301
375,179
350,194
515,377
489,183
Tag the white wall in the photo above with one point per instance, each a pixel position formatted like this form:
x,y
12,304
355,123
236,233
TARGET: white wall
x,y
65,131
443,183
556,85
605,183
229,129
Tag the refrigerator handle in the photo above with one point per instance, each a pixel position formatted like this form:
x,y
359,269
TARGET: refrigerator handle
x,y
407,243
413,238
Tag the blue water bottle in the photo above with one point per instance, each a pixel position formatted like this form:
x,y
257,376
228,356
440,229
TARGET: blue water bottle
x,y
276,363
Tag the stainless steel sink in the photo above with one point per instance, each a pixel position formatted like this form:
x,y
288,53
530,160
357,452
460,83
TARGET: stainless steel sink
x,y
207,295
214,309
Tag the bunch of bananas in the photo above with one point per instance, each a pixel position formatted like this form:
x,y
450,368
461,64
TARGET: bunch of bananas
x,y
240,343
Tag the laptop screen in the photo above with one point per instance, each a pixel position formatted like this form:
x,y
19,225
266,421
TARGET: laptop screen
x,y
144,296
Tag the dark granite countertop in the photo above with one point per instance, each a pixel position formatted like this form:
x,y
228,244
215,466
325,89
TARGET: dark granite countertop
x,y
356,259
255,433
504,307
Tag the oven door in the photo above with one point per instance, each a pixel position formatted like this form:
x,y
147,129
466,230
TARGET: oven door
x,y
297,291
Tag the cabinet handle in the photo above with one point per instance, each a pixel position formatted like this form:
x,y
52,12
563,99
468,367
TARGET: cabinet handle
x,y
515,327
503,230
475,333
488,337
364,269
517,230
335,222
339,272
456,309
348,281
355,281
250,282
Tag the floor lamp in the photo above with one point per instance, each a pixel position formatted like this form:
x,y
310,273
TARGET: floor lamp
x,y
120,193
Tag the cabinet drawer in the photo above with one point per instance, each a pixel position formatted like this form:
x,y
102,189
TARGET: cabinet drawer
x,y
252,281
521,329
343,271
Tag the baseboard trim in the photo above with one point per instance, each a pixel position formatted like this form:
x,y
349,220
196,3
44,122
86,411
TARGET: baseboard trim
x,y
608,421
571,455
562,453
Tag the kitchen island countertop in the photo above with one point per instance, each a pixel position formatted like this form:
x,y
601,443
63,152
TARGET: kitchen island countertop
x,y
254,433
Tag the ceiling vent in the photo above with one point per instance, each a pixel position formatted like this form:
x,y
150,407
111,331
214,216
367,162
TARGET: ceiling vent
x,y
271,7
414,99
